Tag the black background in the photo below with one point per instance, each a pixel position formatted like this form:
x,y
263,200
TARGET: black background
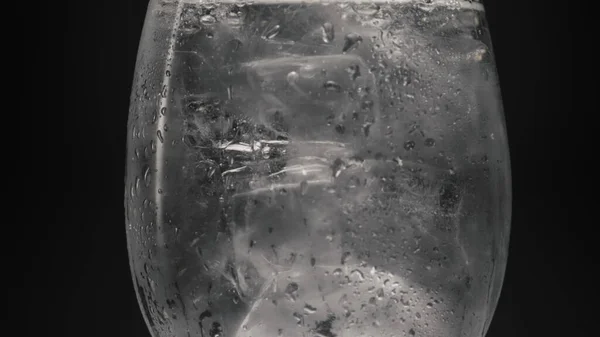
x,y
81,252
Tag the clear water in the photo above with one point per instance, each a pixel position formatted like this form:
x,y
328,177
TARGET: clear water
x,y
334,172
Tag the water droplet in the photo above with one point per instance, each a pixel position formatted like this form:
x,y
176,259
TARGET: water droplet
x,y
340,129
137,183
205,314
350,41
337,167
163,111
309,309
380,293
147,176
332,86
235,45
357,274
303,187
429,142
354,71
292,77
233,18
367,105
168,73
345,257
366,129
216,330
160,191
208,20
272,32
160,136
369,9
298,317
153,146
313,261
411,332
409,145
328,32
291,291
337,272
230,92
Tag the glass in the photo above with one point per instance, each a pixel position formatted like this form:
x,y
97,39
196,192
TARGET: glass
x,y
317,168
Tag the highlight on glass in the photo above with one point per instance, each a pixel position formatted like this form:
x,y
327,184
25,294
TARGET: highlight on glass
x,y
317,168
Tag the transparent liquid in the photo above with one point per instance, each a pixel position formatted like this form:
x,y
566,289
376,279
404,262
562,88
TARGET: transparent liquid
x,y
333,171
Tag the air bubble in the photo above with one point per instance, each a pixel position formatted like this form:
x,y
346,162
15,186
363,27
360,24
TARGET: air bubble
x,y
272,32
292,77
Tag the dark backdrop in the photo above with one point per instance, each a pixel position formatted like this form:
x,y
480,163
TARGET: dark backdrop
x,y
80,251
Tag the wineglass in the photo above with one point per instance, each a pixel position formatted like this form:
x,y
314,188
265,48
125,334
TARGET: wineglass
x,y
317,168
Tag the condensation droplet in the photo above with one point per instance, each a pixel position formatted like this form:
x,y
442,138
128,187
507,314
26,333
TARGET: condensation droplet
x,y
357,274
328,32
153,146
350,41
233,19
409,145
332,86
303,187
147,176
354,71
235,45
429,142
160,136
291,291
369,9
309,309
208,20
163,111
345,257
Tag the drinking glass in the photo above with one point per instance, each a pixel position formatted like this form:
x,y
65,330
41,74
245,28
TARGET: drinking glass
x,y
317,168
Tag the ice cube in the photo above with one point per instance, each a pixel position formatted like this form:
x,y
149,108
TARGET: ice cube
x,y
314,94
